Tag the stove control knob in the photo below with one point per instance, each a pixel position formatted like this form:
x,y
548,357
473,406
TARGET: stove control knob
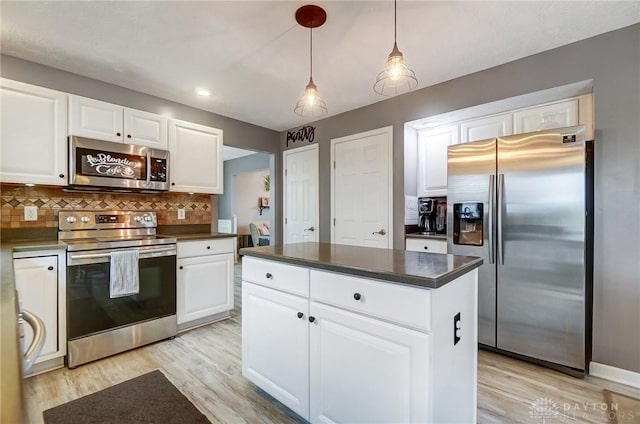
x,y
137,218
71,219
147,218
85,219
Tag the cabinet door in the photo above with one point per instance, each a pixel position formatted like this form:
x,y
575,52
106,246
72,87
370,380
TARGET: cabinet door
x,y
145,129
95,119
37,284
205,286
432,159
196,157
546,117
426,245
275,345
33,130
489,127
365,370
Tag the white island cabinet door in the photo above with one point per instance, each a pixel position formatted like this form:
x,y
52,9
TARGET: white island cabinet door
x,y
365,370
275,345
95,119
33,134
205,286
196,158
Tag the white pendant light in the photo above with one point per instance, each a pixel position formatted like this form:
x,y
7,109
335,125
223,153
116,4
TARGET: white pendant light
x,y
395,78
311,104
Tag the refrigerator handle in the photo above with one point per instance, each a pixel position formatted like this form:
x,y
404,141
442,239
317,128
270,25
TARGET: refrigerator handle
x,y
499,208
491,226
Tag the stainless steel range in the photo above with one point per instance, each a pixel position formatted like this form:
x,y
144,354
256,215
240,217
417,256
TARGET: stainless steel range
x,y
99,323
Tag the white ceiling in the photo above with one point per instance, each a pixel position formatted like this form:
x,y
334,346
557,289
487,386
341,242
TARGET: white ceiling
x,y
255,58
229,152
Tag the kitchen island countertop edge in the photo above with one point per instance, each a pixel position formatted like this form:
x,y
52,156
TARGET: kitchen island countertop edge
x,y
417,269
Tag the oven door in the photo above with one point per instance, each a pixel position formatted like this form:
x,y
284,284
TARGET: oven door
x,y
90,309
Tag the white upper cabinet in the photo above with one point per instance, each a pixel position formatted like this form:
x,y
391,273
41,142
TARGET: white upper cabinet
x,y
145,129
33,134
546,117
488,127
105,121
432,159
196,157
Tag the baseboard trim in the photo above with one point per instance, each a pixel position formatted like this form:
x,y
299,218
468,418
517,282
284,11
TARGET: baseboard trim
x,y
619,375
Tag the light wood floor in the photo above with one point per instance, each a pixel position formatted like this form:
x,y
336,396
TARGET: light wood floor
x,y
205,365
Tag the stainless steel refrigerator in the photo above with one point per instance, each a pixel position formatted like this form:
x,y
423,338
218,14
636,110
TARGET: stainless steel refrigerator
x,y
524,204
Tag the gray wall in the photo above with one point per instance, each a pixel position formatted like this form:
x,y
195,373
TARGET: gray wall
x,y
251,163
612,60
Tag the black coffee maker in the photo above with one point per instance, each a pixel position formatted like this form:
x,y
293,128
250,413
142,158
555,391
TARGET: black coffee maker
x,y
427,214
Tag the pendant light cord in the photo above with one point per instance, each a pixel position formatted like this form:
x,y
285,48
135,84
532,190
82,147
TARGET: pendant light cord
x,y
311,52
395,21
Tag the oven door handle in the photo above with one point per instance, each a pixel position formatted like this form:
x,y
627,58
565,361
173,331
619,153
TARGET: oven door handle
x,y
143,253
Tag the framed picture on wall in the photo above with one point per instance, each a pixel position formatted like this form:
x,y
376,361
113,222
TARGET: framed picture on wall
x,y
264,202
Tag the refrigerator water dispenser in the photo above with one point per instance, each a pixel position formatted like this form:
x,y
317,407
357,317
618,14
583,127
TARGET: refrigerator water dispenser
x,y
467,223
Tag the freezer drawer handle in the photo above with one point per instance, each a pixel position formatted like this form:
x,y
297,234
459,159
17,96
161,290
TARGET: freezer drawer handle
x,y
500,207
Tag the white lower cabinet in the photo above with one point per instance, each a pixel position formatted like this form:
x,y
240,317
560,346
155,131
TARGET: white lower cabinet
x,y
348,353
366,370
204,281
275,344
40,281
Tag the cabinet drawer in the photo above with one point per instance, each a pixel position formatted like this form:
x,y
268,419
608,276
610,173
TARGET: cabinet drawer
x,y
188,249
427,245
404,305
277,275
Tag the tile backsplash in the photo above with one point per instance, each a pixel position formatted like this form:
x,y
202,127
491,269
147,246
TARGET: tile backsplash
x,y
50,200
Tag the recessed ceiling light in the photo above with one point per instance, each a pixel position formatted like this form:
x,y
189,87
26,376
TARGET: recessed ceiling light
x,y
203,92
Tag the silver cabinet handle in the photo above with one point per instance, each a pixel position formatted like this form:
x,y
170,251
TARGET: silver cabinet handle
x,y
39,336
310,229
381,232
491,225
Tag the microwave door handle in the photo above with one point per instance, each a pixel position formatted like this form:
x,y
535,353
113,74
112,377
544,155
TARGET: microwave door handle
x,y
491,225
148,168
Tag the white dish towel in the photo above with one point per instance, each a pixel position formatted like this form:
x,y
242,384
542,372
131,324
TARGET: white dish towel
x,y
124,279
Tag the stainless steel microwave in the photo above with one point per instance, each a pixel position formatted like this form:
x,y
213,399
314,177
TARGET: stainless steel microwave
x,y
97,164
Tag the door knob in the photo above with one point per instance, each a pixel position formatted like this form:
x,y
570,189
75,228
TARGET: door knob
x,y
381,232
310,229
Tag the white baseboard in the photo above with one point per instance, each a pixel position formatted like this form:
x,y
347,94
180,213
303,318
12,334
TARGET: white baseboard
x,y
619,375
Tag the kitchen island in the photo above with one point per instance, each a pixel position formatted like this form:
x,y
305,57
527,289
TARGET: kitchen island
x,y
353,334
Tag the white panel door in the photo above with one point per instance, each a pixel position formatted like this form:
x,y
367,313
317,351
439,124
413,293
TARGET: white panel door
x,y
275,344
432,159
363,370
205,286
196,158
145,129
362,192
95,119
489,127
301,194
546,117
33,134
37,285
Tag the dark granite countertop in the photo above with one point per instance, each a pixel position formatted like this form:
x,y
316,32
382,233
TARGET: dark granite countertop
x,y
427,236
199,236
419,269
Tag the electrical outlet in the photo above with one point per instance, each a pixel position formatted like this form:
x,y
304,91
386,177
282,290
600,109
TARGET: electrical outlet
x,y
30,213
180,213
